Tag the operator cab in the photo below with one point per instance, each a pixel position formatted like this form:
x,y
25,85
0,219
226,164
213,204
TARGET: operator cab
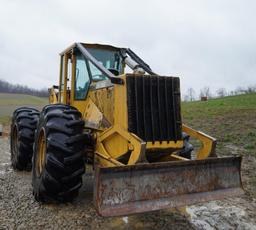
x,y
93,66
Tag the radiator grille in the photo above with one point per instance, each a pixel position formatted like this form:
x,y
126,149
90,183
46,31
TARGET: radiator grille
x,y
154,107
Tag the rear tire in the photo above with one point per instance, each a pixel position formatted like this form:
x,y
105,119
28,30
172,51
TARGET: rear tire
x,y
58,160
24,123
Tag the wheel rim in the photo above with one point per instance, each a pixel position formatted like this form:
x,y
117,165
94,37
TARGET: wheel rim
x,y
41,150
15,143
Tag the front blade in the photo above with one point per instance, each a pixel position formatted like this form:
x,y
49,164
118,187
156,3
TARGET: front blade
x,y
146,187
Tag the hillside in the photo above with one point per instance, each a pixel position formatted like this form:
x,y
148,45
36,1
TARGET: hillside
x,y
232,120
9,102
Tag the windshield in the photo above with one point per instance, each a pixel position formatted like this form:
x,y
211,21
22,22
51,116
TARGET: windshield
x,y
110,59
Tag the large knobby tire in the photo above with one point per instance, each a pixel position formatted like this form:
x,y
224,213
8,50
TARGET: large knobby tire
x,y
24,123
58,160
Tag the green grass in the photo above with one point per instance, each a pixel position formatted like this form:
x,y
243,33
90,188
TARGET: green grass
x,y
214,107
9,102
21,99
232,120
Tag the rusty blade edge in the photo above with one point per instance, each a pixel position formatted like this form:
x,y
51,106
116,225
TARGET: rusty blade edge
x,y
164,203
157,165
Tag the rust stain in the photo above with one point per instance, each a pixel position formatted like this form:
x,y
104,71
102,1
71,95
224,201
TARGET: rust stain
x,y
146,187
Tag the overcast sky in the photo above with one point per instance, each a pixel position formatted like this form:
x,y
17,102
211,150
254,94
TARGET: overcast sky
x,y
205,43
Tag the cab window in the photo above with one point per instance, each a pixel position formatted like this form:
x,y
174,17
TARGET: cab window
x,y
96,74
82,79
110,59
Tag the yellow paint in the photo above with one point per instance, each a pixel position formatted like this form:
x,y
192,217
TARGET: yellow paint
x,y
120,105
105,160
208,142
108,143
52,96
60,80
164,144
172,157
41,152
92,115
104,99
65,78
73,76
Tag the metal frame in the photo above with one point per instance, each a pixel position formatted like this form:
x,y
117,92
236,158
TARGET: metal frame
x,y
123,51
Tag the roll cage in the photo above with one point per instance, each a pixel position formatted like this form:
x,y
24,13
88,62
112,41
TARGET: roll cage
x,y
123,53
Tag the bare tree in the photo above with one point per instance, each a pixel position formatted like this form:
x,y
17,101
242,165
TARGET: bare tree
x,y
231,93
205,92
250,89
239,90
191,94
221,92
6,87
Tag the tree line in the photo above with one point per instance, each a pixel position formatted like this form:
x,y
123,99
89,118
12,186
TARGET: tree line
x,y
6,87
206,92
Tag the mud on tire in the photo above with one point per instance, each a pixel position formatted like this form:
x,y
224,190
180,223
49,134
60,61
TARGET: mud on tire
x,y
62,164
24,123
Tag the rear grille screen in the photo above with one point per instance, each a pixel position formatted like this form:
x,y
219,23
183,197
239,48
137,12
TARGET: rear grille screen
x,y
154,107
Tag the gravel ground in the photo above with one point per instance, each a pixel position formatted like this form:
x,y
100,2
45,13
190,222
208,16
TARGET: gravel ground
x,y
18,209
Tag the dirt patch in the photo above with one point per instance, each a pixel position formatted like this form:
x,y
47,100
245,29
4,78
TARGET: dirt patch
x,y
238,213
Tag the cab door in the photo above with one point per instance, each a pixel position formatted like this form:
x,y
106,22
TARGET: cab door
x,y
80,81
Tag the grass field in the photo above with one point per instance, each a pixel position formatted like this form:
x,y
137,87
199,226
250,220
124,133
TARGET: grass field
x,y
9,102
232,120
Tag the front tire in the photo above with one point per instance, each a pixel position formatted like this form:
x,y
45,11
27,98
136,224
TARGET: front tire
x,y
58,160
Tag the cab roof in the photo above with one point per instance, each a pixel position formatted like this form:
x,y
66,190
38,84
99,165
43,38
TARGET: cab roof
x,y
92,45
